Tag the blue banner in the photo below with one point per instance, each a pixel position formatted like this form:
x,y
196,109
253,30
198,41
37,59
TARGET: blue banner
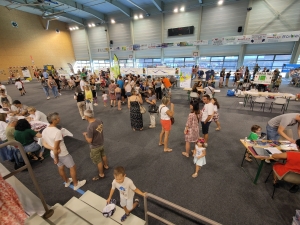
x,y
288,67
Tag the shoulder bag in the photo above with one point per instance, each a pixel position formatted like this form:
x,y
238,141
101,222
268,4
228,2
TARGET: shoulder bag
x,y
142,108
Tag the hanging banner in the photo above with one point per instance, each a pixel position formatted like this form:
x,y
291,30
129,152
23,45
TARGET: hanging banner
x,y
135,71
185,78
288,67
200,42
163,71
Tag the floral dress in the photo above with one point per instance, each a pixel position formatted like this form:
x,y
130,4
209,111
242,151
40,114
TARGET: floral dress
x,y
11,211
192,125
136,117
111,90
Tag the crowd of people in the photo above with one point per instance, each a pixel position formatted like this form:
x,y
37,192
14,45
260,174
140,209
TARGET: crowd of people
x,y
38,132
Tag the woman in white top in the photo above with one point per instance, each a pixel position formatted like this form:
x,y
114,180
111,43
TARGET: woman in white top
x,y
19,85
37,115
165,120
127,88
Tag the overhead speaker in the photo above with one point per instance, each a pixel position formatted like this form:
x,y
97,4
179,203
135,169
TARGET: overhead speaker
x,y
240,29
111,42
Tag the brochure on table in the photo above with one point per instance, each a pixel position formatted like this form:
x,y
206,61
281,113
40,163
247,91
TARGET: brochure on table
x,y
263,78
185,77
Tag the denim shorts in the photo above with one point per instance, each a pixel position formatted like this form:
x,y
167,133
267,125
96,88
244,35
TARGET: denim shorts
x,y
272,133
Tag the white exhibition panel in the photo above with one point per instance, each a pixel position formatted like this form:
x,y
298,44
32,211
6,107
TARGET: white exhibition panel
x,y
98,40
79,41
221,50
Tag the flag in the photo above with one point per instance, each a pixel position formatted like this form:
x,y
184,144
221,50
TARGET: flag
x,y
116,67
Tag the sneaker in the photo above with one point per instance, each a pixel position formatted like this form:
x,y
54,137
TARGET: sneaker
x,y
79,185
151,126
69,182
59,93
48,98
83,118
95,104
267,161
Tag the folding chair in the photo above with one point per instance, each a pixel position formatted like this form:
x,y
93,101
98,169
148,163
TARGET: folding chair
x,y
259,100
278,101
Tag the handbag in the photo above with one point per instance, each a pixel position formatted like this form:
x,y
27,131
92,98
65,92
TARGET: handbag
x,y
152,108
142,108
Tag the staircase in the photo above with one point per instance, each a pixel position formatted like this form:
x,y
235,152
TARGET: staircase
x,y
84,211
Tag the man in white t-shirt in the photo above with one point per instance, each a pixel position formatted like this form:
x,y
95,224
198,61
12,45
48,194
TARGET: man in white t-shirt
x,y
53,140
207,114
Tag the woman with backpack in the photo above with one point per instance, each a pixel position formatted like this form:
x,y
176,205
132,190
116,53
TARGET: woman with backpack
x,y
112,95
191,130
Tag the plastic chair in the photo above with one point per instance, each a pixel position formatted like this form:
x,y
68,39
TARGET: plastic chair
x,y
290,177
259,100
278,101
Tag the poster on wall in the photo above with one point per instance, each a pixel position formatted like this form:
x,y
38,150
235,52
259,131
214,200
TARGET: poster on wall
x,y
163,71
185,77
263,78
26,73
288,67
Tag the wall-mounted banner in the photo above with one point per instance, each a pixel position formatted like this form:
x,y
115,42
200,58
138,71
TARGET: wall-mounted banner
x,y
185,77
132,71
231,40
163,71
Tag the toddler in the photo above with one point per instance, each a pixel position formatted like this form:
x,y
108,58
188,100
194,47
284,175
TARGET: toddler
x,y
253,136
126,189
104,97
94,92
215,102
277,83
199,156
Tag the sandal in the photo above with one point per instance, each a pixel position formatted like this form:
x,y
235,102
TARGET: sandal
x,y
168,150
195,175
97,177
185,154
106,167
41,159
124,217
137,201
248,159
160,144
33,157
219,128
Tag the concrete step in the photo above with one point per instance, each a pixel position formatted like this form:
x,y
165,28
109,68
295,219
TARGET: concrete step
x,y
88,213
63,216
35,219
99,203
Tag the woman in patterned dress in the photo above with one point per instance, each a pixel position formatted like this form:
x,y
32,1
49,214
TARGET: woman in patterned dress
x,y
112,94
191,130
136,117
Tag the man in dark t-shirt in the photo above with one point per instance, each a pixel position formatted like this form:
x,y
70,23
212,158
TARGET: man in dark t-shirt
x,y
94,136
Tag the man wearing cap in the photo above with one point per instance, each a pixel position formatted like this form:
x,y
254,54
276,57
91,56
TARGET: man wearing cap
x,y
276,126
94,136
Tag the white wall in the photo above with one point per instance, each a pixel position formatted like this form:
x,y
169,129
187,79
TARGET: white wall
x,y
216,21
97,40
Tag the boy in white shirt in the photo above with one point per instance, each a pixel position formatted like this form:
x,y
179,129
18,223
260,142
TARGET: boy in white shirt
x,y
207,115
127,190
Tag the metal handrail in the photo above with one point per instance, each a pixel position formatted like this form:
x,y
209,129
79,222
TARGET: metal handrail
x,y
49,212
184,210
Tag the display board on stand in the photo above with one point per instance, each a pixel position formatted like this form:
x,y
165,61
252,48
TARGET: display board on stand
x,y
163,71
263,78
135,71
26,73
63,73
185,77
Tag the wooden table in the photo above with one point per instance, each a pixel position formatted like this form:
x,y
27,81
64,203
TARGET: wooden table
x,y
261,158
288,96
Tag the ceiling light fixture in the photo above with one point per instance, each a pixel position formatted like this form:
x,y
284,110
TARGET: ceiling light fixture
x,y
76,28
113,21
182,9
93,25
220,2
136,17
141,16
90,25
176,10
